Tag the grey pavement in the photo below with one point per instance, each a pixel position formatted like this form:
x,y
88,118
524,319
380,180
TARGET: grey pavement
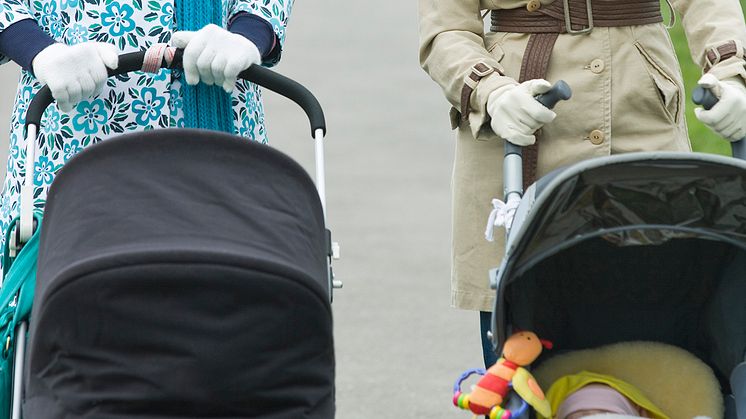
x,y
399,345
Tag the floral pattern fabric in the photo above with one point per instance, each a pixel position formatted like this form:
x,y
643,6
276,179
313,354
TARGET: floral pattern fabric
x,y
132,102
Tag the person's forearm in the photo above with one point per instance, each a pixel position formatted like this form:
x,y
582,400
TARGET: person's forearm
x,y
710,24
256,30
22,41
453,53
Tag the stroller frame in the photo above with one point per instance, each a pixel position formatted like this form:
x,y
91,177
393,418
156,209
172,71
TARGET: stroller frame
x,y
130,62
530,207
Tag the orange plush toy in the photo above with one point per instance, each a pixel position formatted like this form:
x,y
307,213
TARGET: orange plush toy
x,y
487,397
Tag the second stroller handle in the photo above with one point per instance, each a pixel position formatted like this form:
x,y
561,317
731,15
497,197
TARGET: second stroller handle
x,y
707,99
256,74
513,160
560,91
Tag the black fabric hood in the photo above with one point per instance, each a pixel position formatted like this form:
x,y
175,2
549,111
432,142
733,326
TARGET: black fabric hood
x,y
182,274
160,195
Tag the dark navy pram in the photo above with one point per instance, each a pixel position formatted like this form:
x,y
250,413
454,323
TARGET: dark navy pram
x,y
183,274
642,246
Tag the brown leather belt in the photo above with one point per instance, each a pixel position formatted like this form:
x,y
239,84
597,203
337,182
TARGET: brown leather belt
x,y
546,22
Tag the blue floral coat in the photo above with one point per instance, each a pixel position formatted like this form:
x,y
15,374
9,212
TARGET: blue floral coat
x,y
138,101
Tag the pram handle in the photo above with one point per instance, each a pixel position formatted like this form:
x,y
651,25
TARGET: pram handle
x,y
706,98
560,91
513,160
256,74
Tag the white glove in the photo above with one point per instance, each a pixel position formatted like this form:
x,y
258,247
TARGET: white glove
x,y
728,117
516,114
215,56
74,73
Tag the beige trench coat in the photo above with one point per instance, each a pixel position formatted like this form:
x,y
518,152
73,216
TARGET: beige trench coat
x,y
627,96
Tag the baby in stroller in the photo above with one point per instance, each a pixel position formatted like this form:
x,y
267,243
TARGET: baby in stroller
x,y
622,380
631,380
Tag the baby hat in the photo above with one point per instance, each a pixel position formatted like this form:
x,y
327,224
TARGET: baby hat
x,y
598,397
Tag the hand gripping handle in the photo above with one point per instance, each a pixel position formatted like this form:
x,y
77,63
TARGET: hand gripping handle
x,y
266,78
705,97
560,91
513,159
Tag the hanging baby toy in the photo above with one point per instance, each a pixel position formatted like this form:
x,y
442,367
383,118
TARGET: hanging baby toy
x,y
488,395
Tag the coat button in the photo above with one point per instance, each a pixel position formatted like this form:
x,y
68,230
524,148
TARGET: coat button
x,y
596,136
597,65
533,5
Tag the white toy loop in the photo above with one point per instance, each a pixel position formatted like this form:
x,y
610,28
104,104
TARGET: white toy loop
x,y
501,216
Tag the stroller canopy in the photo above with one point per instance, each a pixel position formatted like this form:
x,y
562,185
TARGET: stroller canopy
x,y
644,246
170,193
182,273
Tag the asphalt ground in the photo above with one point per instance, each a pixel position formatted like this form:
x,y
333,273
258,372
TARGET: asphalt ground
x,y
399,345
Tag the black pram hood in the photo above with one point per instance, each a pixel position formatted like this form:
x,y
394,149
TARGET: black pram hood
x,y
171,192
182,274
641,246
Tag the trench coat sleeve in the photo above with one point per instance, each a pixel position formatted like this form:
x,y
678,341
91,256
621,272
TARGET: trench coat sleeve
x,y
451,45
12,11
712,23
276,12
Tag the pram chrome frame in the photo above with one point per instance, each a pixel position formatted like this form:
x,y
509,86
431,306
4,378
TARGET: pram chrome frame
x,y
134,62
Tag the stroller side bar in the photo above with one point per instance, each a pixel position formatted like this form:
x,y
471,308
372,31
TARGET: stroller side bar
x,y
26,226
513,165
19,357
333,247
25,229
318,139
513,160
513,171
738,387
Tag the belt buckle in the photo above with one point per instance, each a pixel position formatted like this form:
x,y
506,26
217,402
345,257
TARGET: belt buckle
x,y
568,22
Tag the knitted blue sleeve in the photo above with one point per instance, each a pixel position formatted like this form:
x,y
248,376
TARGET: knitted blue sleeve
x,y
258,31
22,40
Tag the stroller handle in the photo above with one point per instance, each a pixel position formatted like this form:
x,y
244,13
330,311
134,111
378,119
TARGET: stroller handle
x,y
705,97
256,74
513,158
560,91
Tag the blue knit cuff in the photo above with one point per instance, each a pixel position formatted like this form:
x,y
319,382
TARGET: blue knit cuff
x,y
22,40
256,30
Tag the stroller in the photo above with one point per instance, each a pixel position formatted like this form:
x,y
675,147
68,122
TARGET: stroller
x,y
193,280
636,247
